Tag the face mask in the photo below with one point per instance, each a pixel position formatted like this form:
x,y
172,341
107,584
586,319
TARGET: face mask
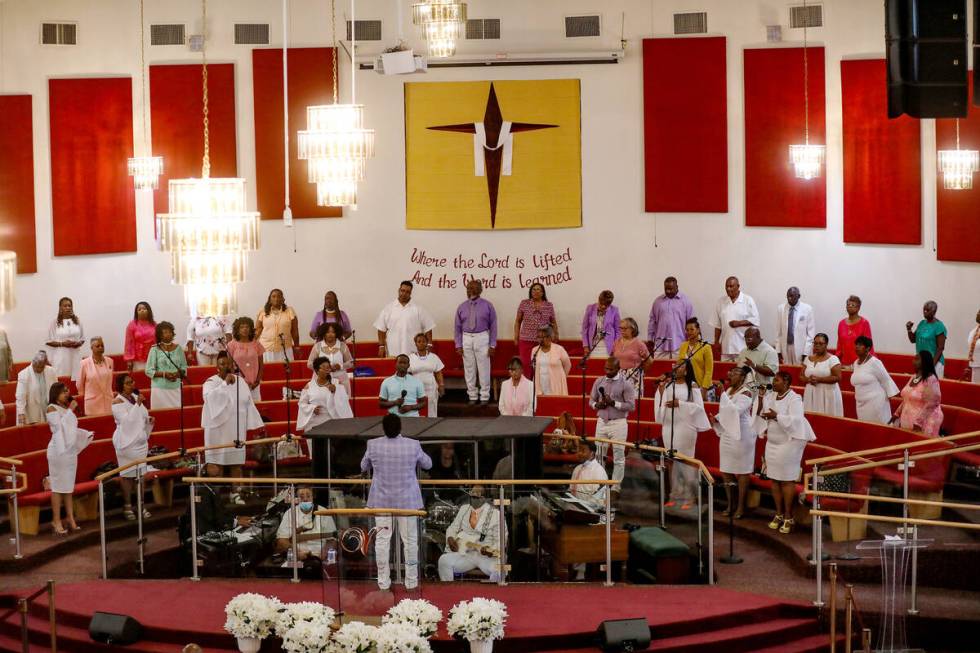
x,y
306,506
477,502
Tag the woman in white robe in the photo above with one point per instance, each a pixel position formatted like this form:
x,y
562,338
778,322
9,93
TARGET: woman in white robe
x,y
736,448
65,340
322,400
872,384
678,406
782,423
821,374
130,439
330,346
427,367
67,441
227,416
517,392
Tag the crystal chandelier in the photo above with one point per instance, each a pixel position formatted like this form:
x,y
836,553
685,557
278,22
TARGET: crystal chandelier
x,y
807,159
957,166
335,143
8,270
442,24
145,170
208,230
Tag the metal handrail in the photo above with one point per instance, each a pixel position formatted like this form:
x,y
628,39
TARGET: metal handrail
x,y
394,512
895,520
224,480
882,499
177,454
22,607
14,490
11,461
896,447
896,461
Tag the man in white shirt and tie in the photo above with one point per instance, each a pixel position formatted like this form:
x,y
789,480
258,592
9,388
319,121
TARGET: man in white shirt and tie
x,y
400,321
733,314
795,328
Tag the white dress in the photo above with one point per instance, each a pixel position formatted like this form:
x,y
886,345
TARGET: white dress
x,y
222,423
823,398
681,433
67,440
66,361
736,448
786,436
340,355
332,405
424,369
872,388
132,434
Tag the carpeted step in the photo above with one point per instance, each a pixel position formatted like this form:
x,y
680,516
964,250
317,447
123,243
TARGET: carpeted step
x,y
819,643
748,637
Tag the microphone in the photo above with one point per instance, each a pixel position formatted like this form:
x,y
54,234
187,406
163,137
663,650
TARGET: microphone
x,y
404,394
602,393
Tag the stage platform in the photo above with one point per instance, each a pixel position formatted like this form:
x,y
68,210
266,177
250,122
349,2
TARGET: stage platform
x,y
543,617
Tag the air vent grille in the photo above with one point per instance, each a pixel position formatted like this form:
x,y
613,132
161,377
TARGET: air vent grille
x,y
483,28
581,26
367,30
59,33
808,16
172,34
695,22
251,33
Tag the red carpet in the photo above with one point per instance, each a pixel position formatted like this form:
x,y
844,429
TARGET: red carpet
x,y
543,617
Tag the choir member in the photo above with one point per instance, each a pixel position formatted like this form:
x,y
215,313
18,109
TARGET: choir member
x,y
322,399
872,384
929,335
65,339
331,314
699,352
849,329
679,407
473,540
131,438
475,335
277,328
95,380
613,397
6,359
516,392
733,314
399,321
921,408
632,353
736,448
206,336
759,357
247,354
33,384
668,316
533,314
166,366
401,393
426,366
551,365
330,345
972,370
600,325
140,337
67,441
795,328
821,375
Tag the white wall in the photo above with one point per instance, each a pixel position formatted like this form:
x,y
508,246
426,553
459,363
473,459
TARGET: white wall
x,y
365,254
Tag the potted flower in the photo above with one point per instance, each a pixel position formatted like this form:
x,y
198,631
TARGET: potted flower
x,y
420,614
292,614
480,621
355,637
251,618
308,637
396,637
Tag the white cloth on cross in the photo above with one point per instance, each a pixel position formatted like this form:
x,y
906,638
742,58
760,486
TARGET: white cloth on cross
x,y
505,140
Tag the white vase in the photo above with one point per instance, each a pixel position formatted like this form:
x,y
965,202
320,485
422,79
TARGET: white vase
x,y
249,644
481,645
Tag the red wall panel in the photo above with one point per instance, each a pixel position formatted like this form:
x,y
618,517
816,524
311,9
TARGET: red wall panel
x,y
958,211
176,97
685,115
882,161
92,196
310,83
774,120
17,231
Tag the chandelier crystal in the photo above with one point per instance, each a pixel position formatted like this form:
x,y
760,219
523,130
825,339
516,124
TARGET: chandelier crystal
x,y
145,170
442,25
807,159
957,166
8,270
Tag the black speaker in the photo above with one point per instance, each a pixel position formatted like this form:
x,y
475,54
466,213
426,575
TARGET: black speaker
x,y
624,635
926,58
111,628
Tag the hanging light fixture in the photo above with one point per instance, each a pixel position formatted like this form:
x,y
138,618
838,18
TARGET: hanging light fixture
x,y
145,170
208,230
442,24
957,166
8,270
808,158
335,143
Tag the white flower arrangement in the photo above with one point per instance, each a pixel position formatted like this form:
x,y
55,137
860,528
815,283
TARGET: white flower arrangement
x,y
308,637
396,637
292,614
478,619
251,615
355,637
419,613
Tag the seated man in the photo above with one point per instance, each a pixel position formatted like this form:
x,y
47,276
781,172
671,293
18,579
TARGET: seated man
x,y
211,511
473,540
310,528
590,470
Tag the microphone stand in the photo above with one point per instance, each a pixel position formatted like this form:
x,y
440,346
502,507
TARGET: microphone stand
x,y
289,390
534,387
596,339
639,370
353,370
180,381
673,380
731,558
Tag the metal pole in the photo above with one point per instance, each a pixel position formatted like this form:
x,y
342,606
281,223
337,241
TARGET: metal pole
x,y
52,623
13,484
275,469
292,522
105,555
711,537
25,641
866,640
905,491
139,515
833,607
700,527
914,609
194,575
848,617
660,472
503,542
817,554
608,537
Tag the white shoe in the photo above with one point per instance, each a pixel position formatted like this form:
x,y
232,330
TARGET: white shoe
x,y
237,499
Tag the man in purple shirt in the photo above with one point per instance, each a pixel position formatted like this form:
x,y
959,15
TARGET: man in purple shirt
x,y
476,340
392,461
613,398
669,314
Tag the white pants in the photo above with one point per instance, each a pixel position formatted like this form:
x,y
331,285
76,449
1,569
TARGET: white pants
x,y
476,362
432,394
729,357
975,374
408,530
790,357
459,563
616,429
665,355
206,359
940,367
274,356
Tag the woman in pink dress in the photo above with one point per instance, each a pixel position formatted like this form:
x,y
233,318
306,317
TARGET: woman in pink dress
x,y
95,380
247,353
849,329
551,365
533,313
921,408
141,335
631,352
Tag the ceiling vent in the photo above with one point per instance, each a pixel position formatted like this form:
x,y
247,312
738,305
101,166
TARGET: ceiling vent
x,y
483,28
582,26
367,30
59,33
251,33
808,16
694,22
172,34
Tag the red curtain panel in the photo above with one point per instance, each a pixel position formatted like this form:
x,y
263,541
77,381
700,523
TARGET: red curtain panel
x,y
92,197
17,181
774,120
685,123
958,211
176,98
310,83
882,161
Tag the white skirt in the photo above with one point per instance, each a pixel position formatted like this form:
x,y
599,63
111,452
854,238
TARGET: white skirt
x,y
873,406
61,472
736,456
783,459
276,356
130,454
164,398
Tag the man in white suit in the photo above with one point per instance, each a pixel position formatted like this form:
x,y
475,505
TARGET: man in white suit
x,y
795,328
33,384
